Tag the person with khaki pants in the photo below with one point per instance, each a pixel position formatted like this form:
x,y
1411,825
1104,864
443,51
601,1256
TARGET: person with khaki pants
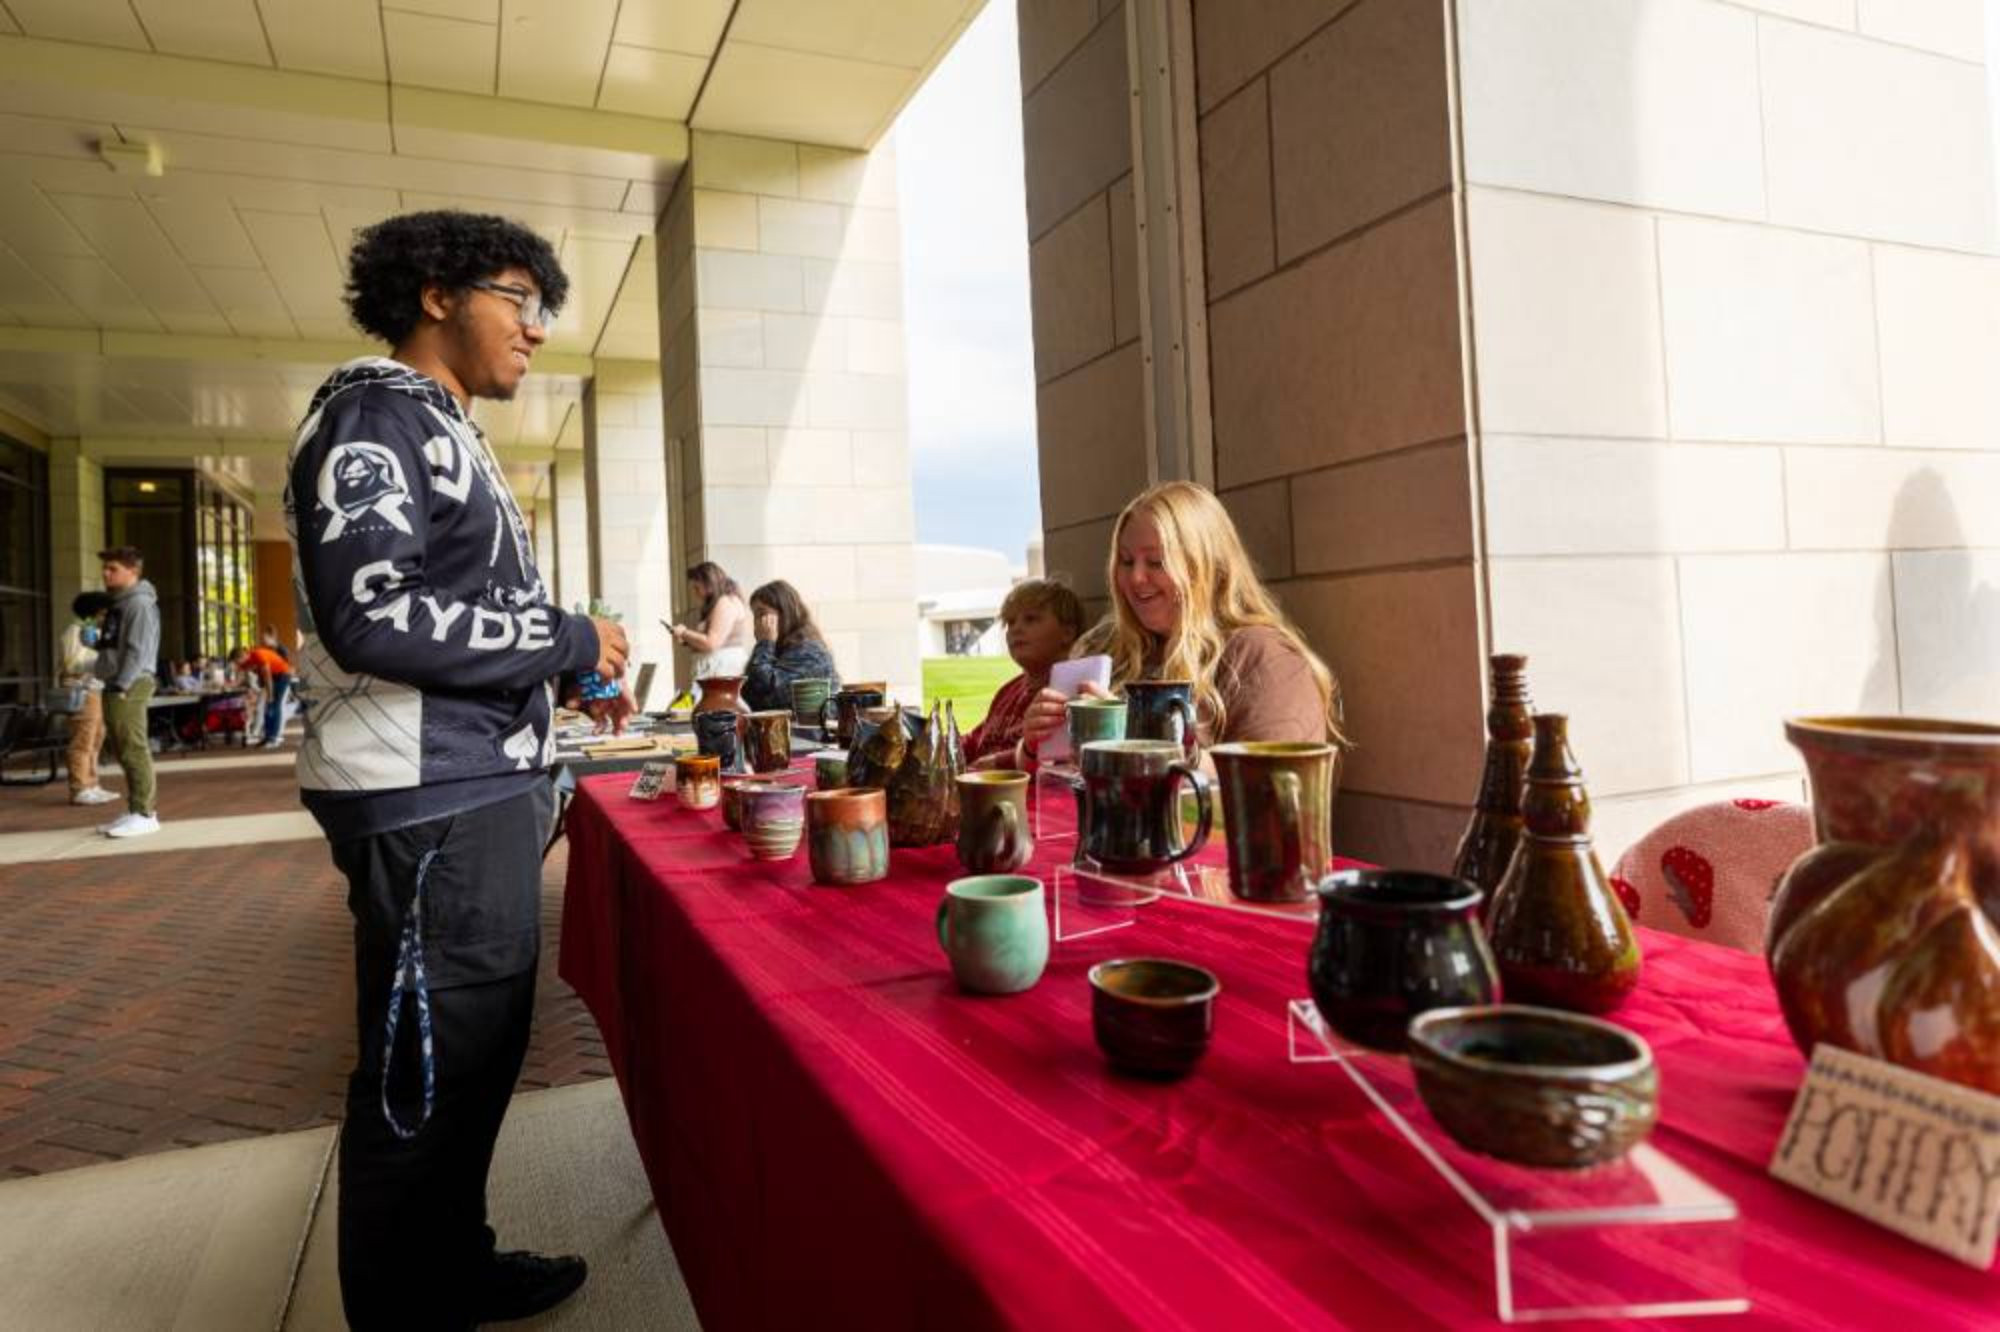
x,y
86,725
128,652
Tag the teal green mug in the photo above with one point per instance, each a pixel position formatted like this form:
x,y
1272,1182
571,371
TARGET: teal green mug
x,y
994,930
1093,719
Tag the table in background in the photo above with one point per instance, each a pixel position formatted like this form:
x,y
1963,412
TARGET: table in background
x,y
837,1137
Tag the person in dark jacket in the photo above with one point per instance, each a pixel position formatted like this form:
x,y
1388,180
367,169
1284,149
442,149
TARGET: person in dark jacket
x,y
429,658
789,647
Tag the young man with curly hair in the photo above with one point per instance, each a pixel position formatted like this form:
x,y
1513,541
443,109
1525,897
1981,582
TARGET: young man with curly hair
x,y
431,651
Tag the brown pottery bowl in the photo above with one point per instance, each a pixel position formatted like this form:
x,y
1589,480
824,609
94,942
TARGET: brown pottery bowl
x,y
1151,1015
1535,1086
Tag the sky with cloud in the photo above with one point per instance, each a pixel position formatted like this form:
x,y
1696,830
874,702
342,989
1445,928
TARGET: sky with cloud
x,y
965,279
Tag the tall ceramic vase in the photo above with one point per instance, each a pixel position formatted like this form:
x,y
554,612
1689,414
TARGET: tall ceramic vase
x,y
1558,930
1488,845
1885,938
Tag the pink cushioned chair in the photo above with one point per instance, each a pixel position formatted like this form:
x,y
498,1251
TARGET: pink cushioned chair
x,y
1708,872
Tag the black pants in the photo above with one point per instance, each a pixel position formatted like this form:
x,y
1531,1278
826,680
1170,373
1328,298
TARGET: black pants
x,y
413,1232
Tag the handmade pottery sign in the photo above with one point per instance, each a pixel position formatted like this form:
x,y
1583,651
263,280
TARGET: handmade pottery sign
x,y
1916,1154
653,779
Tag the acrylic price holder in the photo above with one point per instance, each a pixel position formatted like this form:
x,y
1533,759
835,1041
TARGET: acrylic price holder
x,y
1642,1237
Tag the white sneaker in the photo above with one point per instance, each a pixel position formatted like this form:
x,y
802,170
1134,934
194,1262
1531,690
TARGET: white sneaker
x,y
134,825
95,795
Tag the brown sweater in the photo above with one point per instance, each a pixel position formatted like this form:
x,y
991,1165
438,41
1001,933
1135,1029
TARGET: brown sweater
x,y
1268,690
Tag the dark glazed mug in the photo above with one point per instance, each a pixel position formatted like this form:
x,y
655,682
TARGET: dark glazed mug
x,y
1162,710
1131,805
845,706
1392,944
719,735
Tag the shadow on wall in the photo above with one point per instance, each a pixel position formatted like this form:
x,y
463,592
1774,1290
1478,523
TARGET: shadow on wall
x,y
1944,657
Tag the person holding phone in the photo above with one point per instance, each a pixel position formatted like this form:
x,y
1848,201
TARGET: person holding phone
x,y
723,637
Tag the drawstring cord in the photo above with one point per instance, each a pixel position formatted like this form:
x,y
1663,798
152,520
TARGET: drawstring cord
x,y
410,972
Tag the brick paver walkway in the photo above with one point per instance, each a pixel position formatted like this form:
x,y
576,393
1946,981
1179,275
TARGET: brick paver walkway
x,y
168,999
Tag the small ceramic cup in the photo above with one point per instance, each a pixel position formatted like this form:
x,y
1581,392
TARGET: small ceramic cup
x,y
732,803
767,736
993,832
995,931
774,818
698,780
847,835
841,710
830,770
1092,719
1151,1015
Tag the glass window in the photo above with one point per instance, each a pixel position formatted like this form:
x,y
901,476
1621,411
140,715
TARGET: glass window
x,y
26,646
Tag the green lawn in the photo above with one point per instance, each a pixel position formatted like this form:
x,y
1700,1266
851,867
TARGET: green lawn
x,y
969,682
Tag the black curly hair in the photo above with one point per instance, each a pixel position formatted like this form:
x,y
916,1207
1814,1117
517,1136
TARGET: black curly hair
x,y
394,260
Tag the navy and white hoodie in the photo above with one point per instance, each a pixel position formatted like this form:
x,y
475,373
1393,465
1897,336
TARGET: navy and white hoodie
x,y
430,640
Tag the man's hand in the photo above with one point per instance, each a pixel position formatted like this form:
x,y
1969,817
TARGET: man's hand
x,y
611,710
767,626
611,648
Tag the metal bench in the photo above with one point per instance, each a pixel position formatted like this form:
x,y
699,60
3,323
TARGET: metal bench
x,y
35,734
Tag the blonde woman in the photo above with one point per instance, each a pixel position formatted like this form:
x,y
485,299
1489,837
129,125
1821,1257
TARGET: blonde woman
x,y
1187,605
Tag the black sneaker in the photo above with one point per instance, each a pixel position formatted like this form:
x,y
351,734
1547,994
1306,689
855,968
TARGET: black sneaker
x,y
521,1285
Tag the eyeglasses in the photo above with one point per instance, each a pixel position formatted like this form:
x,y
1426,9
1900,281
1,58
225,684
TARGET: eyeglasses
x,y
535,313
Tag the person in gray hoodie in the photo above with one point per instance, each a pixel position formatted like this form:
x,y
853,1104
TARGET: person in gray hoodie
x,y
128,651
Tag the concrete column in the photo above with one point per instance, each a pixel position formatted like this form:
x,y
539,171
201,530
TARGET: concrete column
x,y
76,524
570,503
631,557
782,376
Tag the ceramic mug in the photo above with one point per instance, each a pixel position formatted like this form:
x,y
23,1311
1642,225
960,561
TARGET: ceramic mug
x,y
847,835
993,832
698,780
808,695
1162,710
1277,816
1092,719
1392,944
830,770
719,735
1131,807
995,931
774,818
845,707
767,736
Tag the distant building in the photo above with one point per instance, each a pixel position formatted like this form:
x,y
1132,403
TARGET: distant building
x,y
959,591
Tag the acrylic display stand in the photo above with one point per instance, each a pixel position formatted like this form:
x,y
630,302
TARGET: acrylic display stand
x,y
1641,1237
1090,900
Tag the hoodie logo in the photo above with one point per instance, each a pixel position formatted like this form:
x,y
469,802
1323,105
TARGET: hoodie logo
x,y
359,478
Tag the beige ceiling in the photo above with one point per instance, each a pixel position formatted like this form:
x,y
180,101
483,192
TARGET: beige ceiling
x,y
203,304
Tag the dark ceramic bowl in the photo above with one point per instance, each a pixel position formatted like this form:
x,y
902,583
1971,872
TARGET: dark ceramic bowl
x,y
1151,1015
1535,1086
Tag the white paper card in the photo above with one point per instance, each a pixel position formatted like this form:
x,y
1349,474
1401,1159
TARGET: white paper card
x,y
1069,677
1910,1152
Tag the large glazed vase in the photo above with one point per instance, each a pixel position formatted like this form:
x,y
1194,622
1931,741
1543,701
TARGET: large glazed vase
x,y
1558,931
1885,938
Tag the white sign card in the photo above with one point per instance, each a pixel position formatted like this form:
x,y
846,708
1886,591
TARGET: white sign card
x,y
653,779
1068,678
1913,1153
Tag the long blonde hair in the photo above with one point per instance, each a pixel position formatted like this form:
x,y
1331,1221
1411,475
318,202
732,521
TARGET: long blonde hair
x,y
1219,594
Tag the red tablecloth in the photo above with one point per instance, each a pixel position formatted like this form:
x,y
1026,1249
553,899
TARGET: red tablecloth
x,y
837,1137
